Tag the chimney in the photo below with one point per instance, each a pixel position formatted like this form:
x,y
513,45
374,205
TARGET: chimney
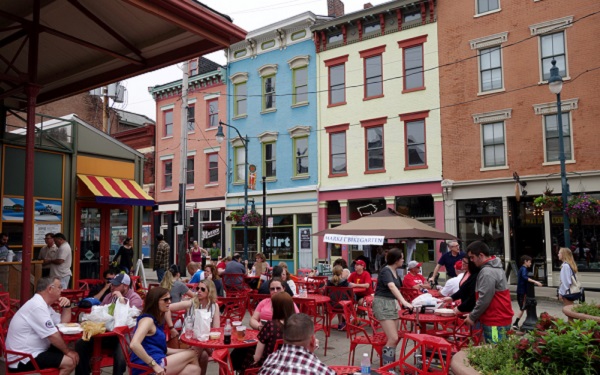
x,y
335,8
368,5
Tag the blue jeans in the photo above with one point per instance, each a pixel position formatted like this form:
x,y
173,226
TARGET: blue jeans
x,y
160,273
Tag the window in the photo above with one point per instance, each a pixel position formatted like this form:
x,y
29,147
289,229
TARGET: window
x,y
335,38
168,117
493,145
268,44
484,6
371,28
268,92
270,160
240,95
413,15
551,135
413,63
240,53
168,174
213,113
553,48
193,67
337,84
240,164
190,170
191,119
415,144
298,35
337,151
300,85
373,77
490,69
301,155
213,167
374,148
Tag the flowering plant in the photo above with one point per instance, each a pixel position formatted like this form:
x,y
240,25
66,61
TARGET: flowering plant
x,y
252,218
236,216
583,205
548,202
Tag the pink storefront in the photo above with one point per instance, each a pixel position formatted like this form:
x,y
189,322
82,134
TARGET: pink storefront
x,y
422,201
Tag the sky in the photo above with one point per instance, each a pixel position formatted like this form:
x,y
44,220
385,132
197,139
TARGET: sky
x,y
249,15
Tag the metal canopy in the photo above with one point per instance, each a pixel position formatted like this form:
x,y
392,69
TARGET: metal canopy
x,y
52,49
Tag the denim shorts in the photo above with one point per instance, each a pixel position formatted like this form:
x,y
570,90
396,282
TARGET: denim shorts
x,y
385,308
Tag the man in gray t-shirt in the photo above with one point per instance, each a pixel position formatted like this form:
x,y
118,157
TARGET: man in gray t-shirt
x,y
61,266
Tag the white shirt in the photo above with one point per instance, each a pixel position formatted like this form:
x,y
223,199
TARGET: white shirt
x,y
452,286
63,269
30,327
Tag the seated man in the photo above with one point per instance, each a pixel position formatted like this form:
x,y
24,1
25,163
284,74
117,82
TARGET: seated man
x,y
453,284
100,291
197,273
120,292
413,278
33,330
360,279
296,356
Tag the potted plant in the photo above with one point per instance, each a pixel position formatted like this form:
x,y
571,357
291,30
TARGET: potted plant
x,y
252,218
548,202
236,216
584,311
583,206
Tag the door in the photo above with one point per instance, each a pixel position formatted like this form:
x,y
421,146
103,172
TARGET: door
x,y
102,229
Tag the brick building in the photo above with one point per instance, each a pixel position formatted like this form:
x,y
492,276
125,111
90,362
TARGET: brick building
x,y
499,120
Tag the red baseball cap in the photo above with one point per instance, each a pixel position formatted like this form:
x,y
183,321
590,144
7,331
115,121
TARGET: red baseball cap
x,y
458,265
360,262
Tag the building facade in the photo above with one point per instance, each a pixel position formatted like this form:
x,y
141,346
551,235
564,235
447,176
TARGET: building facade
x,y
272,83
205,162
500,126
379,123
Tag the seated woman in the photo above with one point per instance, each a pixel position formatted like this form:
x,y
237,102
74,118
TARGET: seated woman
x,y
211,273
172,282
466,289
277,272
149,344
288,278
264,310
337,280
205,299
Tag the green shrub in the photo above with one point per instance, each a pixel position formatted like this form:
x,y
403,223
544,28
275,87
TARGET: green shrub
x,y
588,308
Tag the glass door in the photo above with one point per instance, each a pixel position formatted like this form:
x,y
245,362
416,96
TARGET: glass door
x,y
118,230
90,242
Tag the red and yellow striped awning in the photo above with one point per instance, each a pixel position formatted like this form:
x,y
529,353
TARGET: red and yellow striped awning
x,y
116,191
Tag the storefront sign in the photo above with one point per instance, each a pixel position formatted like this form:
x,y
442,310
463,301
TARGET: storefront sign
x,y
354,240
211,233
44,209
40,230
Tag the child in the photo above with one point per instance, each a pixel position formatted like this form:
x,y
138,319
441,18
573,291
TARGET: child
x,y
522,287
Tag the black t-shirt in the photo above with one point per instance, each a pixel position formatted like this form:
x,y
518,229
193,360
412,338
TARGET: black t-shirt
x,y
386,275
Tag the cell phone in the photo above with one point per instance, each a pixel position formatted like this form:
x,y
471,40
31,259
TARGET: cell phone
x,y
263,321
249,341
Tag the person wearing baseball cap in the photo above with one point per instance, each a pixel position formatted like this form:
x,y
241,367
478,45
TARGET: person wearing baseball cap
x,y
360,279
413,278
453,284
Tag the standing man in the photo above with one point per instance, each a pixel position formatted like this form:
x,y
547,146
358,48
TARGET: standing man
x,y
161,260
33,330
61,266
493,307
4,247
448,260
48,253
360,279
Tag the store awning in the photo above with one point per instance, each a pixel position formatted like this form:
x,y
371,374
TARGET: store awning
x,y
116,191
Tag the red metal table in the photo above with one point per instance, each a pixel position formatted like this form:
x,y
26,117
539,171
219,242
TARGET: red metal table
x,y
425,319
249,340
98,360
345,370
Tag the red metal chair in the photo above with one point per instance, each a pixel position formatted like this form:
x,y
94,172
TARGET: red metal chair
x,y
254,299
345,370
338,294
146,370
6,309
86,284
20,356
356,331
409,293
256,370
233,308
320,319
234,284
427,354
303,272
222,358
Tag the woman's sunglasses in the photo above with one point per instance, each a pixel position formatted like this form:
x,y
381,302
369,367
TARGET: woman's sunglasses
x,y
202,289
275,288
166,299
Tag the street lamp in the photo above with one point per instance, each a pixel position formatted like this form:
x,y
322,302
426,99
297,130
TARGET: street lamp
x,y
555,84
220,136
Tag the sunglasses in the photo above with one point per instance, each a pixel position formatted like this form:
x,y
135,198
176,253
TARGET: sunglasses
x,y
202,289
166,299
276,288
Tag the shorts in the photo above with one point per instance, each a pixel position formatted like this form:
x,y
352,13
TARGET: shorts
x,y
521,299
51,358
385,308
494,334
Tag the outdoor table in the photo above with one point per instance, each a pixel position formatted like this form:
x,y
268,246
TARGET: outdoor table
x,y
435,293
319,299
345,370
97,356
359,290
251,335
425,319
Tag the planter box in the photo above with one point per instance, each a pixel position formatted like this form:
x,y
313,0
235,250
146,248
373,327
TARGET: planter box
x,y
460,364
571,314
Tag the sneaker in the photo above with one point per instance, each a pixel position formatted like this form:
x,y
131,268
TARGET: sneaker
x,y
515,327
342,326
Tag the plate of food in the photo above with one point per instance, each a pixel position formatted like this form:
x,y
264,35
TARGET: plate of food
x,y
444,312
69,328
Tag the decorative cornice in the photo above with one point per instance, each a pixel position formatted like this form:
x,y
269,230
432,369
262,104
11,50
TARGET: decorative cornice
x,y
299,131
551,26
237,142
267,70
493,116
299,61
174,88
267,136
489,41
239,77
551,109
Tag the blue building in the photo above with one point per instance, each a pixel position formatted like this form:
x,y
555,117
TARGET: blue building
x,y
272,100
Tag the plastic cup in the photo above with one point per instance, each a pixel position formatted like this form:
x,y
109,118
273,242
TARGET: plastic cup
x,y
240,332
236,324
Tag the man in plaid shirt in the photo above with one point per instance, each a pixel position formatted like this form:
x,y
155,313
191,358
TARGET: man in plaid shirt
x,y
161,260
296,356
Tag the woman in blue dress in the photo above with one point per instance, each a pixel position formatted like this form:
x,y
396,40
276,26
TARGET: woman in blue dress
x,y
149,343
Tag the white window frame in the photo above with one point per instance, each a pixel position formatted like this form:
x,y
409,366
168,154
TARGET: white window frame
x,y
547,28
483,146
484,43
543,109
479,14
480,119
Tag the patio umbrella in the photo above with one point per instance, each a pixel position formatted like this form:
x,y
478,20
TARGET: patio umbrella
x,y
388,224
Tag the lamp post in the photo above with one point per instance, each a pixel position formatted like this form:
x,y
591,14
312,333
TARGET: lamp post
x,y
220,136
555,84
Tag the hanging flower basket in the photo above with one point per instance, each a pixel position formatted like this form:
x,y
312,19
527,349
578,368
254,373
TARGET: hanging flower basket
x,y
583,206
252,218
236,216
549,202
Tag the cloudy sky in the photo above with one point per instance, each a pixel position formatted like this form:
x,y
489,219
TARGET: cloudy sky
x,y
249,15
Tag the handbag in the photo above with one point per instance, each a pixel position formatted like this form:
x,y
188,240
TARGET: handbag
x,y
576,291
